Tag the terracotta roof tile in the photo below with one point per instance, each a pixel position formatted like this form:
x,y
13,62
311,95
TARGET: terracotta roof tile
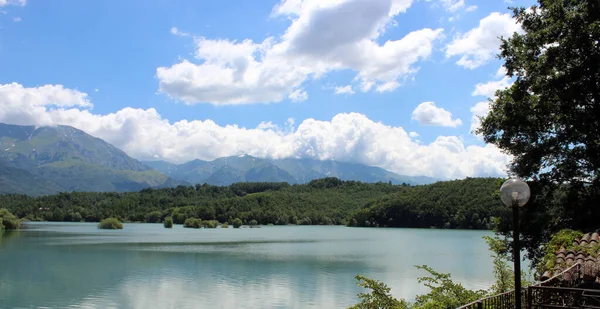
x,y
579,253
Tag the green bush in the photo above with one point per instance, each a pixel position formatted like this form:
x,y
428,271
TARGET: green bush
x,y
153,217
224,225
168,222
110,224
194,223
253,223
237,222
211,224
8,221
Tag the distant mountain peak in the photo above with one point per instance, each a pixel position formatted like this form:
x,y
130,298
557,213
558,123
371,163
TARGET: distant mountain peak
x,y
244,167
72,160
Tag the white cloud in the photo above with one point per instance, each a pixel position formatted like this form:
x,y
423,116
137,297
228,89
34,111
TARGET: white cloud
x,y
448,5
17,19
428,114
480,109
471,8
453,5
413,134
12,2
96,90
344,89
323,36
298,95
20,105
177,32
489,89
351,137
501,72
481,44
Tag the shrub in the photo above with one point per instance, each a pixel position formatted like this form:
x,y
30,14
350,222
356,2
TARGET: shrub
x,y
110,224
179,218
168,222
211,224
153,217
224,225
253,223
8,221
194,223
237,222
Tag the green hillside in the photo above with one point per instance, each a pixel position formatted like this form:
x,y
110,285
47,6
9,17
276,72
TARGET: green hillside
x,y
48,160
321,201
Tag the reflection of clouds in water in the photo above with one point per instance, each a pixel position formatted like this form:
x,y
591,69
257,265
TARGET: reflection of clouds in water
x,y
277,291
288,267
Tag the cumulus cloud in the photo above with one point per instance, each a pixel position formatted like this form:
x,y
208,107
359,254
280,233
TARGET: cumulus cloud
x,y
352,137
344,89
428,114
480,44
487,90
20,105
323,36
12,2
480,109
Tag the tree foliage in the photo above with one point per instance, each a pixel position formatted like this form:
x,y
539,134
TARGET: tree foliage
x,y
193,223
443,291
466,204
8,221
328,201
110,224
168,223
548,118
379,297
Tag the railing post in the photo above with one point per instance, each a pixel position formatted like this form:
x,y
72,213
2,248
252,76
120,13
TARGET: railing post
x,y
529,297
479,305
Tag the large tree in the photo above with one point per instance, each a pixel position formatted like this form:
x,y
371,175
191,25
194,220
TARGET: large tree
x,y
549,118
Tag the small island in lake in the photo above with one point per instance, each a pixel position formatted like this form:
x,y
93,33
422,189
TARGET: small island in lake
x,y
110,224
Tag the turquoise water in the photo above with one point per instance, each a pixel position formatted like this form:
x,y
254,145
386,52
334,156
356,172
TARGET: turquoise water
x,y
76,265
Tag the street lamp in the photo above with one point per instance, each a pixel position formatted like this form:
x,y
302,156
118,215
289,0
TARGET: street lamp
x,y
515,193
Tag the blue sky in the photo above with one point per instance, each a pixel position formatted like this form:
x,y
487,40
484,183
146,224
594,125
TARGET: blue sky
x,y
158,78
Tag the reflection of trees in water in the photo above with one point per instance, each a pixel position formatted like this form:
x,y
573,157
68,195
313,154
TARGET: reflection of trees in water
x,y
6,236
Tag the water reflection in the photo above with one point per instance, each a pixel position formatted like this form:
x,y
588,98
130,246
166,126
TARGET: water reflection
x,y
289,267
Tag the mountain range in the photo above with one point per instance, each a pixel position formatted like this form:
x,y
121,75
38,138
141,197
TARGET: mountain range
x,y
46,160
51,159
246,168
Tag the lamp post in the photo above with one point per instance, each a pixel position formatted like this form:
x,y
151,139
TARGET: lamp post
x,y
515,193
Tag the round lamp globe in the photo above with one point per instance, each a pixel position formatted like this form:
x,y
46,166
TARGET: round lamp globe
x,y
514,191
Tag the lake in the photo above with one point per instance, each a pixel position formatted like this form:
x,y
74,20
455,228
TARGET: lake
x,y
76,265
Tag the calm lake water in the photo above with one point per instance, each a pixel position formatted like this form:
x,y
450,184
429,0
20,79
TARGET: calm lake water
x,y
76,265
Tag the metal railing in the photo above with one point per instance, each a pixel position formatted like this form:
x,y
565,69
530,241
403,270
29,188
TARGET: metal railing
x,y
505,300
543,294
561,297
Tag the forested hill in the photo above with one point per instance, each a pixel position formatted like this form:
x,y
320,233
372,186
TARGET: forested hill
x,y
465,203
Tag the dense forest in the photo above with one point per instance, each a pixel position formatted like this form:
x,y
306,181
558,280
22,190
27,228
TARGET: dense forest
x,y
468,203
